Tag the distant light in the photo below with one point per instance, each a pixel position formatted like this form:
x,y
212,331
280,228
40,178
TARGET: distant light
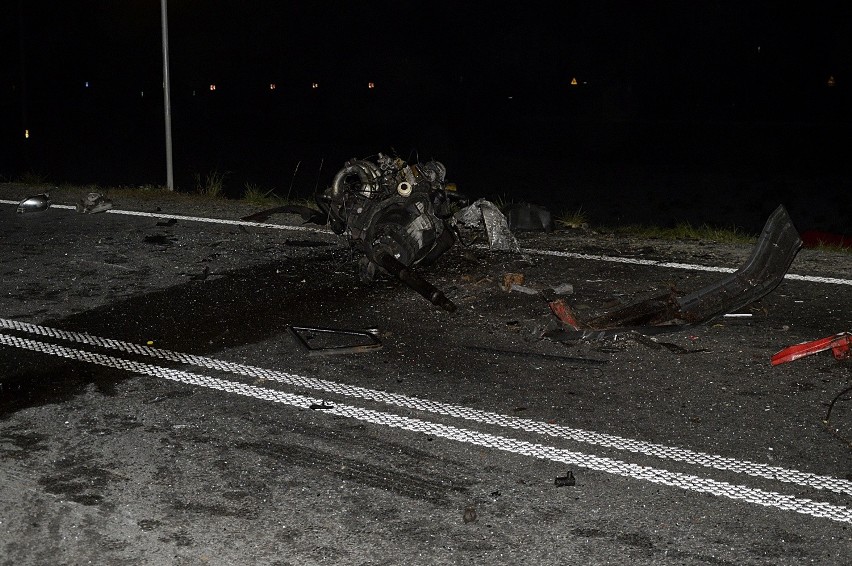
x,y
830,82
143,94
272,86
213,87
574,81
315,85
26,134
87,84
371,84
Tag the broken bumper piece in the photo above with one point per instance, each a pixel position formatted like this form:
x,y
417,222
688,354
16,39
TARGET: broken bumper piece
x,y
776,248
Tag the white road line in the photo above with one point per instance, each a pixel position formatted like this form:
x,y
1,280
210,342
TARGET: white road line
x,y
687,482
683,455
198,219
674,265
572,255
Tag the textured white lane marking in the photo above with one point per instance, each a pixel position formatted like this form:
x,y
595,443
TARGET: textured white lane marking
x,y
506,444
755,469
572,255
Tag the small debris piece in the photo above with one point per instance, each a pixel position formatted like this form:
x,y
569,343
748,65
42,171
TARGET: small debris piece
x,y
484,213
564,313
839,344
93,203
169,222
523,289
320,406
566,480
365,340
35,203
563,289
510,279
469,515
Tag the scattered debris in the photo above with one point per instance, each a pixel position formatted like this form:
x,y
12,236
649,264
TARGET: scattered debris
x,y
469,515
528,217
93,203
566,480
510,279
760,274
563,289
328,341
35,203
524,289
839,344
485,214
652,342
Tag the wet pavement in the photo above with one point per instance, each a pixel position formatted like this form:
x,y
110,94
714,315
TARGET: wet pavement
x,y
156,410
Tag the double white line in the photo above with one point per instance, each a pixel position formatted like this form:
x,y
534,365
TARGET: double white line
x,y
486,440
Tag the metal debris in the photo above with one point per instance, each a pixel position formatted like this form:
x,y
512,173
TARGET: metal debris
x,y
35,203
485,214
839,344
566,480
397,214
328,341
93,203
759,275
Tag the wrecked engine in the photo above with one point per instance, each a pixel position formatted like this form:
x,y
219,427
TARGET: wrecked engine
x,y
398,215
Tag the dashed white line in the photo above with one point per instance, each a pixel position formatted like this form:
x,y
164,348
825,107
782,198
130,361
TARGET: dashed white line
x,y
506,444
554,253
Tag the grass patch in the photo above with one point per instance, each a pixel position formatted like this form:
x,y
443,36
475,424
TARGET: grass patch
x,y
573,219
213,184
685,231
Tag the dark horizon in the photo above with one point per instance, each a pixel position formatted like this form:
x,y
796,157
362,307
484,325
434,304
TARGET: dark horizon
x,y
709,89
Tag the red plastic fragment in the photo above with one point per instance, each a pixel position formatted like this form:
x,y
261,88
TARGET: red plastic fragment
x,y
563,312
839,344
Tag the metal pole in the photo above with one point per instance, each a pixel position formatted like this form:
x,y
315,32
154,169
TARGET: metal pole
x,y
170,176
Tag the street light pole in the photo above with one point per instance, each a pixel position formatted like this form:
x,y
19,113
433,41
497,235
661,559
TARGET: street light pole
x,y
170,176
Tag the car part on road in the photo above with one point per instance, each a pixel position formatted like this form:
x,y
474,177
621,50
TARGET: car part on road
x,y
566,480
397,214
776,248
328,341
839,344
485,214
93,203
35,203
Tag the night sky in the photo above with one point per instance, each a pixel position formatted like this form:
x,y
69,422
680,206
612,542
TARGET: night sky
x,y
460,67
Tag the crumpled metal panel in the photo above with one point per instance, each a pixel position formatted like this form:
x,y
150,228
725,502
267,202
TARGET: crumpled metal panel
x,y
765,268
484,212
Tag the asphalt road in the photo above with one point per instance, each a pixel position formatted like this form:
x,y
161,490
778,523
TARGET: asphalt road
x,y
155,407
